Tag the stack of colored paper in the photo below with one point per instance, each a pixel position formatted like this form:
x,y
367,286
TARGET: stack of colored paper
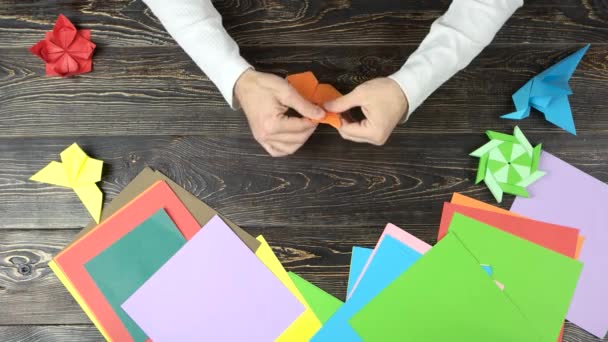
x,y
493,276
567,195
164,266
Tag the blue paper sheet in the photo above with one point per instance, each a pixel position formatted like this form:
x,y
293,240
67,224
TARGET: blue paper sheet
x,y
358,259
392,258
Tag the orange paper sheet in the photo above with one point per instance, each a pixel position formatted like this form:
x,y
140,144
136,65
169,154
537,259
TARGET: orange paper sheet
x,y
308,86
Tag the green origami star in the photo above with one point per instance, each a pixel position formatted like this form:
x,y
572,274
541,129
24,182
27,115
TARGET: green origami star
x,y
508,163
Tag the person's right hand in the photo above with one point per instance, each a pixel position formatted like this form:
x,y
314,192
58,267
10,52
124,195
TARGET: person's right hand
x,y
265,98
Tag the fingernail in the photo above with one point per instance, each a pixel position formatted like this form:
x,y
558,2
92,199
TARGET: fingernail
x,y
320,113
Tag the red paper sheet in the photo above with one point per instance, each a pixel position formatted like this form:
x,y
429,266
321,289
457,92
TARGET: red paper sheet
x,y
471,202
557,238
73,259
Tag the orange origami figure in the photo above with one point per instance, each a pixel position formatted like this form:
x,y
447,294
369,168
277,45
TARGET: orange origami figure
x,y
308,86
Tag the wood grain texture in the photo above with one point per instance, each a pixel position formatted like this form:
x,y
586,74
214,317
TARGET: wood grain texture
x,y
296,22
159,91
147,104
29,293
329,182
52,333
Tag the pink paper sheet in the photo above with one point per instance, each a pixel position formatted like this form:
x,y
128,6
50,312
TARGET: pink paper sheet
x,y
400,235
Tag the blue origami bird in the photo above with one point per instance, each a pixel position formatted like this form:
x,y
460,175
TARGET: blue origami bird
x,y
548,93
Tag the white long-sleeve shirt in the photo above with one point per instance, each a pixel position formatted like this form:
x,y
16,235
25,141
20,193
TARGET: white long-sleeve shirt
x,y
453,41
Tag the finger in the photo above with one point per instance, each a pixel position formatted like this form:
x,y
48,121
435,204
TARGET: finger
x,y
272,151
354,139
292,138
284,149
294,100
363,131
284,124
287,124
346,102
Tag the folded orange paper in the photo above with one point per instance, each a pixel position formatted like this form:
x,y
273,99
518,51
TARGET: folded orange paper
x,y
308,86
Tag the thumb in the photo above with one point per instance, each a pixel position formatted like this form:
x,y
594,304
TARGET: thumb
x,y
304,107
360,129
344,103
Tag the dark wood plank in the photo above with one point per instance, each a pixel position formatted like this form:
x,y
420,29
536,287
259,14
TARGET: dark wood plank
x,y
146,103
29,293
33,298
296,23
573,333
328,183
158,91
45,333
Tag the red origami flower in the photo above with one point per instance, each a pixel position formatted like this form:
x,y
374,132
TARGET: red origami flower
x,y
65,50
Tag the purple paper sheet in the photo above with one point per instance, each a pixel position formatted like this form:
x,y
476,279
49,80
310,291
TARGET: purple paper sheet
x,y
570,197
213,289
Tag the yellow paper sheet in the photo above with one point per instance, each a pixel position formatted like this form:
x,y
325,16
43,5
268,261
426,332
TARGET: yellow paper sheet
x,y
304,328
79,172
72,290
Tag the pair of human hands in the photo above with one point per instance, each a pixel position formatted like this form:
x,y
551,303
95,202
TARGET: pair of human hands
x,y
265,99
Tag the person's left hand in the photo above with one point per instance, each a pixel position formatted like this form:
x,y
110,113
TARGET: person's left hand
x,y
265,99
382,102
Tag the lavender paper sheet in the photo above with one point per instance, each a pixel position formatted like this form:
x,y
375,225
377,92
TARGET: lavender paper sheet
x,y
570,197
213,289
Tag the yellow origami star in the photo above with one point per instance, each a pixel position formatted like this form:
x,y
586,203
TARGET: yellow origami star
x,y
79,172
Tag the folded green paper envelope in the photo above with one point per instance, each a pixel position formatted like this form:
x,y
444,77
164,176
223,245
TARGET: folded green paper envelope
x,y
539,281
124,266
444,296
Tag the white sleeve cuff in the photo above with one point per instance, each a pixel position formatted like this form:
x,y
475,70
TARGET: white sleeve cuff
x,y
406,79
230,73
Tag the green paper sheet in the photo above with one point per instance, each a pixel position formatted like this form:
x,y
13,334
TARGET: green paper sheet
x,y
322,303
540,282
123,267
444,296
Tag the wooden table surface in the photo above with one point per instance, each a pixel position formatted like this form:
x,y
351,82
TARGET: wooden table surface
x,y
146,103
